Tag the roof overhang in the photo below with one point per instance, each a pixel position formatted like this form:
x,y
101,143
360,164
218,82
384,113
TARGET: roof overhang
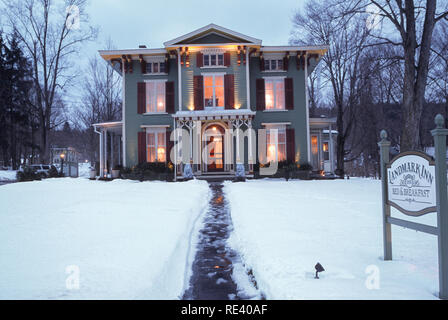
x,y
320,49
214,115
320,123
115,126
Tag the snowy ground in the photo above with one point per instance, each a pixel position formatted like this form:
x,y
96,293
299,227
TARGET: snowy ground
x,y
130,240
84,169
8,175
282,229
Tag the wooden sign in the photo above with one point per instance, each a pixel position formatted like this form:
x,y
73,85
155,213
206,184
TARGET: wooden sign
x,y
411,185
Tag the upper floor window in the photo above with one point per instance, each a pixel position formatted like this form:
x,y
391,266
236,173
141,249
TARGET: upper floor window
x,y
275,94
213,59
155,67
214,90
273,65
155,96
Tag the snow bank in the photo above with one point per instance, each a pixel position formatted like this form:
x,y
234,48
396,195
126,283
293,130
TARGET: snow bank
x,y
282,229
8,175
130,240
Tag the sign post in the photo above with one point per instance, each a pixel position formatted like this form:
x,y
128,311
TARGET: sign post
x,y
416,184
384,145
439,134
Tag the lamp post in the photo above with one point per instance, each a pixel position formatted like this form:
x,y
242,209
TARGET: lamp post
x,y
62,156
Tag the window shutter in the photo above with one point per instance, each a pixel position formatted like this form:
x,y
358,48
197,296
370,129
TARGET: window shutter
x,y
229,91
142,147
285,63
261,64
143,66
169,145
141,97
290,145
198,88
169,96
167,63
261,105
227,59
289,94
199,60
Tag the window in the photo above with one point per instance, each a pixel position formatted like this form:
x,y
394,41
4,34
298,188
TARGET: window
x,y
156,145
155,96
273,65
214,59
155,67
276,150
275,94
326,150
214,91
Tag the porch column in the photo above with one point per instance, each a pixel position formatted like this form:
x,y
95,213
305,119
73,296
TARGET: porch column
x,y
101,153
331,149
105,153
119,150
112,149
319,151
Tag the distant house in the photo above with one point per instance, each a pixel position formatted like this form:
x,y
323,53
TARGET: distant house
x,y
217,79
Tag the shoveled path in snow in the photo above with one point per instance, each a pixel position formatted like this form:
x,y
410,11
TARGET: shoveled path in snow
x,y
213,267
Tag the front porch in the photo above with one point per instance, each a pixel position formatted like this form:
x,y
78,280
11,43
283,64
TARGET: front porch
x,y
322,136
214,151
110,146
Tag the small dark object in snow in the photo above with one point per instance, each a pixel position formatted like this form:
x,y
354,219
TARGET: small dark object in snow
x,y
318,268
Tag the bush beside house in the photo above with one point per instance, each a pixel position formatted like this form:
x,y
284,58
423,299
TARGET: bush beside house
x,y
149,171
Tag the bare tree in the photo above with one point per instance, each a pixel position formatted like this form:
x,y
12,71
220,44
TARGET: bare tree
x,y
409,25
322,22
51,32
101,100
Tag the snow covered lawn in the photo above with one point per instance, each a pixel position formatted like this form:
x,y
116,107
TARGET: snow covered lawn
x,y
282,229
130,240
8,175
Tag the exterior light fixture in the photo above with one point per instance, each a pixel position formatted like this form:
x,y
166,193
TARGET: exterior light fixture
x,y
62,156
318,268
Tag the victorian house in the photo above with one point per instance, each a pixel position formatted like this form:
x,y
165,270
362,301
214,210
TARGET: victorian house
x,y
207,82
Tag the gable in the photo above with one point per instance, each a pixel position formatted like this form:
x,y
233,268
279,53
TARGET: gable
x,y
212,37
210,34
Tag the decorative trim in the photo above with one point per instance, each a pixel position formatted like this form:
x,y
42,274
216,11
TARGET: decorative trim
x,y
274,77
153,113
276,123
213,73
275,110
155,80
145,126
154,74
213,51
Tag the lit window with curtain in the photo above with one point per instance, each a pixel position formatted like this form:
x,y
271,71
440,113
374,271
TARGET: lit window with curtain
x,y
156,145
275,94
276,149
155,96
214,91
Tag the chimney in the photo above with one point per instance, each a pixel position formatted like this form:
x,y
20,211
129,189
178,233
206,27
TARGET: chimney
x,y
142,46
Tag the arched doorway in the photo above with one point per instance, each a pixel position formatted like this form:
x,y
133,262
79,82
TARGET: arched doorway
x,y
213,147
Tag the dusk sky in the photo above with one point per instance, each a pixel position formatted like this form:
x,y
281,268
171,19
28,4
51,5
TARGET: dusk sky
x,y
133,22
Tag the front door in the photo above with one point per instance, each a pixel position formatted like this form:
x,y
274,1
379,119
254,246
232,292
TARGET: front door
x,y
215,148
